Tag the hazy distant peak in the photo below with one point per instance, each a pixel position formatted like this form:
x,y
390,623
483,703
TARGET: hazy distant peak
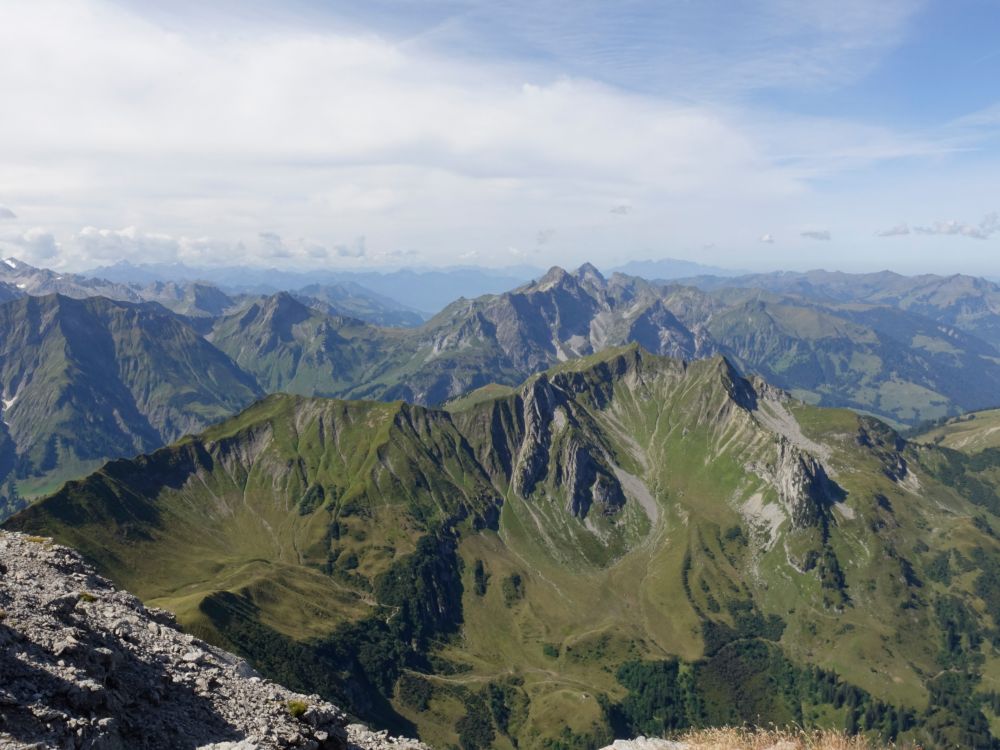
x,y
588,273
553,277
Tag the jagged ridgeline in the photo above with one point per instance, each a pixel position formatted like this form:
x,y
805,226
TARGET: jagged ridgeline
x,y
624,544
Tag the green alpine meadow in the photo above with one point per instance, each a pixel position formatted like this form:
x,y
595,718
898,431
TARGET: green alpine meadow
x,y
622,544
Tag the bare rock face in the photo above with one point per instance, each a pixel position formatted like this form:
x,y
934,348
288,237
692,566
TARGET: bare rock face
x,y
540,399
804,488
83,665
588,483
580,469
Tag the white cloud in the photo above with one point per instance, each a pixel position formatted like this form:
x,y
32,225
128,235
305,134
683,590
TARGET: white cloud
x,y
330,135
110,244
767,239
6,213
986,228
272,246
356,249
36,245
821,234
900,230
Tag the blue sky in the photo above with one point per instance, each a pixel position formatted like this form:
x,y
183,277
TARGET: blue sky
x,y
760,134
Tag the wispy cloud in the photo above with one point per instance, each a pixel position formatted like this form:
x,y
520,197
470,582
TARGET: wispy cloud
x,y
767,239
822,234
447,125
294,128
900,230
985,229
679,47
356,249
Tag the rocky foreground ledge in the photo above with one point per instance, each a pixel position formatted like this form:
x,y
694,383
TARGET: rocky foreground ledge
x,y
83,665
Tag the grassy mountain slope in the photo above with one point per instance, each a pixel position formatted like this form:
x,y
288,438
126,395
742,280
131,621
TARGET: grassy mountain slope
x,y
87,380
874,359
969,433
968,303
353,300
290,347
624,543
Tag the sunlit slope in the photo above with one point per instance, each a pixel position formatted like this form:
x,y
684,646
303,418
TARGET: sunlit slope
x,y
532,546
87,380
969,433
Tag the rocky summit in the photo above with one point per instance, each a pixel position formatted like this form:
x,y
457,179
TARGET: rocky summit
x,y
85,665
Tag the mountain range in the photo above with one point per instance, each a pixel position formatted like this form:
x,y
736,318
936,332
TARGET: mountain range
x,y
414,289
622,544
197,298
891,362
906,350
86,380
968,303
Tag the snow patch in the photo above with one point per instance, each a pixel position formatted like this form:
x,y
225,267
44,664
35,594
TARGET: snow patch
x,y
10,262
21,286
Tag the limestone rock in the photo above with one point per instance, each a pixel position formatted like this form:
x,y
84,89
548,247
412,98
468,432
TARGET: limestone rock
x,y
86,666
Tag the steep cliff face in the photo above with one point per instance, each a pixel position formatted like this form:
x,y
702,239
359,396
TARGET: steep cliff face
x,y
805,492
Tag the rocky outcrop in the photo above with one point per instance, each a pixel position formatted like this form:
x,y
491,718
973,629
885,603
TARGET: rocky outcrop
x,y
805,491
580,468
587,482
87,666
538,406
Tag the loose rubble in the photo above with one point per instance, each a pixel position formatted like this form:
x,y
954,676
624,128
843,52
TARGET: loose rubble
x,y
83,665
646,743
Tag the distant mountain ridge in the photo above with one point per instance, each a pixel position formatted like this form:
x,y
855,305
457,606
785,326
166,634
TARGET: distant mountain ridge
x,y
414,289
671,269
87,380
923,354
968,302
195,297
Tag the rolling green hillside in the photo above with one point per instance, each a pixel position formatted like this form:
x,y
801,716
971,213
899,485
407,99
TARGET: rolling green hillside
x,y
623,544
970,433
967,303
87,380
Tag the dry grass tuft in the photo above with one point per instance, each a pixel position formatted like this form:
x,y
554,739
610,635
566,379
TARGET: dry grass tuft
x,y
728,738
